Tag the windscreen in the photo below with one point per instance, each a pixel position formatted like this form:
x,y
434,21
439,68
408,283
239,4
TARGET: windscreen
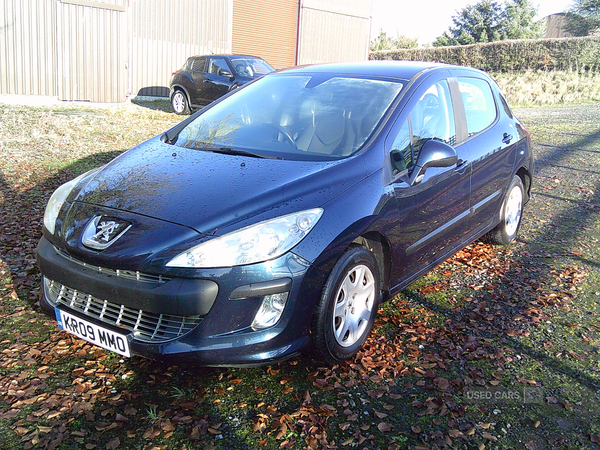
x,y
309,117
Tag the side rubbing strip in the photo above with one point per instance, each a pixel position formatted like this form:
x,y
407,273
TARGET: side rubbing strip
x,y
421,242
484,201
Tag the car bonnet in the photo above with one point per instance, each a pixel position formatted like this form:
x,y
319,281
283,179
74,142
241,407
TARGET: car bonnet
x,y
209,191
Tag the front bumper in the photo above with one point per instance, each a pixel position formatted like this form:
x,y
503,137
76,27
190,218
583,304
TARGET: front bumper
x,y
204,317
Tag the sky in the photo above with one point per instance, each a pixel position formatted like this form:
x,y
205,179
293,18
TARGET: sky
x,y
425,20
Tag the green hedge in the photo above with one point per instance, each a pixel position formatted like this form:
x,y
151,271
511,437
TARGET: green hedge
x,y
578,54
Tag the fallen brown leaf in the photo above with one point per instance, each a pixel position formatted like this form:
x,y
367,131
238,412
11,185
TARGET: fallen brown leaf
x,y
113,443
384,427
489,436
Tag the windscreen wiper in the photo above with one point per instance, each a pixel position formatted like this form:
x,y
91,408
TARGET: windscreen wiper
x,y
235,151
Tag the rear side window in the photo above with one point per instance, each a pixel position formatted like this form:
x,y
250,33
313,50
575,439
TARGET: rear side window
x,y
198,65
480,107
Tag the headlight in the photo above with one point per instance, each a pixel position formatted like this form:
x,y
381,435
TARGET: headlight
x,y
256,243
58,198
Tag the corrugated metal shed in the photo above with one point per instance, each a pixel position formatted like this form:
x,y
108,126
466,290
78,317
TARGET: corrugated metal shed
x,y
163,34
92,50
334,30
104,50
556,25
27,61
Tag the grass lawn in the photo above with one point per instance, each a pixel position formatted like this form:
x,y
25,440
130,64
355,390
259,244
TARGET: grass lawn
x,y
497,348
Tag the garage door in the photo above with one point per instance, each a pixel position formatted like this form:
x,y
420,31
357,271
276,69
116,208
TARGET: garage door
x,y
266,28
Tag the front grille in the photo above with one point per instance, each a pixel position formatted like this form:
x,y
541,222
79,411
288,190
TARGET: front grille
x,y
145,326
129,274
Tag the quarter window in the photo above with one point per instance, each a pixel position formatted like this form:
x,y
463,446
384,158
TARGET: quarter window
x,y
431,118
198,65
478,100
504,104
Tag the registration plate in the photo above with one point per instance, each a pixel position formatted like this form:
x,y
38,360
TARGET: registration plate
x,y
91,332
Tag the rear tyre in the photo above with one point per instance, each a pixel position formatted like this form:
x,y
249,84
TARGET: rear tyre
x,y
347,308
180,103
510,217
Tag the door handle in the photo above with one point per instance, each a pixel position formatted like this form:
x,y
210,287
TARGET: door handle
x,y
461,165
506,138
206,81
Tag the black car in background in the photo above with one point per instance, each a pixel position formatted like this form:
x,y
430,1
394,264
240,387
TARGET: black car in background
x,y
203,79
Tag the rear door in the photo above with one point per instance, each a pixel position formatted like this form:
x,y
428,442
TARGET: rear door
x,y
490,146
198,71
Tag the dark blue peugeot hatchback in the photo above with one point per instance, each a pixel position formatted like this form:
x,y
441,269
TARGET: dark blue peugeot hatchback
x,y
275,220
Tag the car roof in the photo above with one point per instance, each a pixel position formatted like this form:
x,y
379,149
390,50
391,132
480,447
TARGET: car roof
x,y
396,69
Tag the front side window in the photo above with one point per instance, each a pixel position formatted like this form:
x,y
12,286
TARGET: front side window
x,y
431,118
216,65
478,100
310,117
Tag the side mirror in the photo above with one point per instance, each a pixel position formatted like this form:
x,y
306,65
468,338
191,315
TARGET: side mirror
x,y
224,73
433,154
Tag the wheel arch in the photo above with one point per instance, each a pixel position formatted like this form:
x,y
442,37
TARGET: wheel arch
x,y
363,233
179,87
377,244
526,179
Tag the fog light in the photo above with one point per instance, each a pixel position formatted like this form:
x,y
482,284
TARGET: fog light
x,y
270,311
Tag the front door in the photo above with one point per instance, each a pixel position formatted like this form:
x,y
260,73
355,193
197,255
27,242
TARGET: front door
x,y
217,79
439,217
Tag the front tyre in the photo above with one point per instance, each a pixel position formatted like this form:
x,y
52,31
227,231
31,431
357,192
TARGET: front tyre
x,y
347,308
510,217
180,103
